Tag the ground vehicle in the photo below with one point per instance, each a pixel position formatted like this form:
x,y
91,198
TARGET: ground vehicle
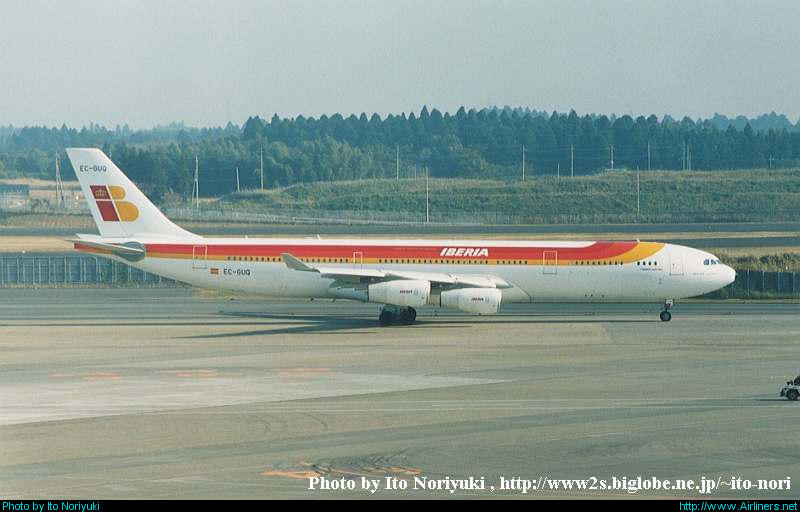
x,y
791,389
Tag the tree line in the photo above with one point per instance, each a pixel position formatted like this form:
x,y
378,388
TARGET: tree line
x,y
486,143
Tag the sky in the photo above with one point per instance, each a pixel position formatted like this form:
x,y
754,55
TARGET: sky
x,y
206,63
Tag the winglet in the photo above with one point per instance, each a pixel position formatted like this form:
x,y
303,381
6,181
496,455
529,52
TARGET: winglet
x,y
295,264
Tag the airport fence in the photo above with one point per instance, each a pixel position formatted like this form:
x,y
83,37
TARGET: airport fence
x,y
761,284
55,270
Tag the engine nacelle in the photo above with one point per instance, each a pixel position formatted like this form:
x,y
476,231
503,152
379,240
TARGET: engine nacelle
x,y
402,292
484,301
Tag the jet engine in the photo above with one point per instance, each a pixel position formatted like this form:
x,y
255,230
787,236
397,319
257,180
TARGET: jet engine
x,y
402,292
483,301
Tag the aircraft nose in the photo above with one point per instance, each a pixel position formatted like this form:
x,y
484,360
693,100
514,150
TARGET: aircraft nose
x,y
729,275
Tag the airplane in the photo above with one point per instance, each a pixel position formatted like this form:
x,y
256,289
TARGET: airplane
x,y
473,276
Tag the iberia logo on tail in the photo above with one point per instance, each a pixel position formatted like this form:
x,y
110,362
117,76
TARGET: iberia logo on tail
x,y
110,202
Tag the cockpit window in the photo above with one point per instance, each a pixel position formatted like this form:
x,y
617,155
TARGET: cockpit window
x,y
706,262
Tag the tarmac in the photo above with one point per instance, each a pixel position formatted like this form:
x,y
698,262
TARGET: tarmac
x,y
175,394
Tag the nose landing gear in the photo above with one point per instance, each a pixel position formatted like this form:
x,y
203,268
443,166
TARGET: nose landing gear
x,y
665,315
397,315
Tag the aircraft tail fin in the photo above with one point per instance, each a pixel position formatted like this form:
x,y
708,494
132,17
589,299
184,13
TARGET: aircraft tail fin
x,y
118,207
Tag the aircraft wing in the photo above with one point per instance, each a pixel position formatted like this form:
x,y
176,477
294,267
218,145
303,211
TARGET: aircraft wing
x,y
373,274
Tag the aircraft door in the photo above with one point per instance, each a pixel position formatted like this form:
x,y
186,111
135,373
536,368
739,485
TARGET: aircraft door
x,y
550,262
358,259
675,264
199,255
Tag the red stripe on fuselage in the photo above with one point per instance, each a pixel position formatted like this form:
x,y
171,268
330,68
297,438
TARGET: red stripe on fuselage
x,y
597,250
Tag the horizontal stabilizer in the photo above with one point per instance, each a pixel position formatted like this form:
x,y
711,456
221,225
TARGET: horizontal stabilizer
x,y
131,251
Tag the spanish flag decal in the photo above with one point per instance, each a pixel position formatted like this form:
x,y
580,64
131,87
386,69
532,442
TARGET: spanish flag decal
x,y
111,205
215,271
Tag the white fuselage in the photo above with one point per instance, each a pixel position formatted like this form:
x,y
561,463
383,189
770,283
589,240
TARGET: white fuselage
x,y
537,271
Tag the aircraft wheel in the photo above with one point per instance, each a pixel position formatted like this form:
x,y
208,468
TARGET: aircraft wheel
x,y
792,394
408,316
665,316
386,317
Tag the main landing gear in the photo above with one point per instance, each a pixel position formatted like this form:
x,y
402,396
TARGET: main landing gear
x,y
665,315
397,315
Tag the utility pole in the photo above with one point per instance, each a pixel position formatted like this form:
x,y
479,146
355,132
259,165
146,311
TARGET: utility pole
x,y
770,161
523,162
196,191
637,193
261,156
397,161
237,181
558,170
427,199
612,157
648,156
683,158
689,158
572,160
59,184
